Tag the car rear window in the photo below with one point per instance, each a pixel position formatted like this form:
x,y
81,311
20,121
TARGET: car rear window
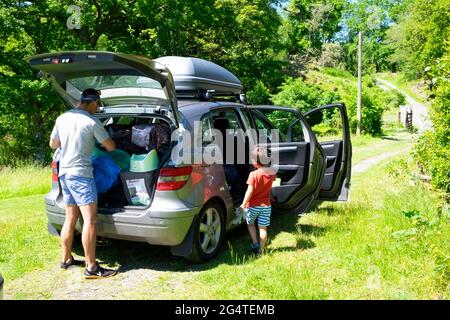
x,y
114,81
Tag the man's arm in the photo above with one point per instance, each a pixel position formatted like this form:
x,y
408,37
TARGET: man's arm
x,y
109,144
54,143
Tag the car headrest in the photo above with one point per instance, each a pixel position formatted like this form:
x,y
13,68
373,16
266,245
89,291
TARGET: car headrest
x,y
221,124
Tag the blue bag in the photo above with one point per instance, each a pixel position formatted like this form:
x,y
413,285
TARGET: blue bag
x,y
106,173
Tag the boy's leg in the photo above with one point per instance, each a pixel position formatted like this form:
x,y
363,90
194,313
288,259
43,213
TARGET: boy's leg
x,y
252,214
263,223
262,237
68,231
252,231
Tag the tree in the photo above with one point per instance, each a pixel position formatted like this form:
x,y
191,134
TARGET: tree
x,y
418,39
240,35
373,18
309,24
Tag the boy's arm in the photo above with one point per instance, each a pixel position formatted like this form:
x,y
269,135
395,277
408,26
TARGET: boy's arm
x,y
248,195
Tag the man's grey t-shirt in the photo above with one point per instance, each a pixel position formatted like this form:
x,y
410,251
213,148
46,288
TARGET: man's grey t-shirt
x,y
77,130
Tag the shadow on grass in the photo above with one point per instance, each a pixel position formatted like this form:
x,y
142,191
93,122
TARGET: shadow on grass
x,y
390,138
235,251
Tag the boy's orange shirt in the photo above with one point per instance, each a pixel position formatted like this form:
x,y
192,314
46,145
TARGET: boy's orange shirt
x,y
261,180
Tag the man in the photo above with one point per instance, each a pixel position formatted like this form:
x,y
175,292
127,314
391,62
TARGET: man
x,y
75,133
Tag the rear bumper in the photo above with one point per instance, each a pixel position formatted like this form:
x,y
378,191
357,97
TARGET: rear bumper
x,y
155,227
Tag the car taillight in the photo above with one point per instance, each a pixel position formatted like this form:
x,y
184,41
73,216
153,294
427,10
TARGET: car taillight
x,y
173,178
55,171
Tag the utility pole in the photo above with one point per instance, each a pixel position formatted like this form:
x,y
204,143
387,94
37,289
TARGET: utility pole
x,y
358,107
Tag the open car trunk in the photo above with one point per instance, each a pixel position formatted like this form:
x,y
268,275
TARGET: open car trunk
x,y
133,190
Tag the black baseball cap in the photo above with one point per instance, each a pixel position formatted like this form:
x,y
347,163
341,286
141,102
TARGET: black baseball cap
x,y
90,95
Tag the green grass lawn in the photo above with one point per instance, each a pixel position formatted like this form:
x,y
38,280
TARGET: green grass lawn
x,y
364,249
25,244
391,241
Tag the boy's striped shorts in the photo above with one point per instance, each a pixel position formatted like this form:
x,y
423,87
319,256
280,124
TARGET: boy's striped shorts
x,y
259,214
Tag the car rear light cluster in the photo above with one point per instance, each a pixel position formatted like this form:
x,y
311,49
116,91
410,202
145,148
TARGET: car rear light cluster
x,y
173,178
55,171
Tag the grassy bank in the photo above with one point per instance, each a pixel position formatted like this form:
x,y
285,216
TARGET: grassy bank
x,y
411,87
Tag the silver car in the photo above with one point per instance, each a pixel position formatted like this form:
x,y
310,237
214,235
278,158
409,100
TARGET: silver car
x,y
191,202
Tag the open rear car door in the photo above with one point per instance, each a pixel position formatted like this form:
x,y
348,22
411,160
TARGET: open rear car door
x,y
296,155
331,128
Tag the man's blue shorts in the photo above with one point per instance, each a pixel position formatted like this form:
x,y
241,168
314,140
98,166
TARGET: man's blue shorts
x,y
259,214
78,190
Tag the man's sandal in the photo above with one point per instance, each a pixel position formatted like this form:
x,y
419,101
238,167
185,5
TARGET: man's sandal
x,y
72,262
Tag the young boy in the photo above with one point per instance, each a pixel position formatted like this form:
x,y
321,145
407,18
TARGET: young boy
x,y
257,198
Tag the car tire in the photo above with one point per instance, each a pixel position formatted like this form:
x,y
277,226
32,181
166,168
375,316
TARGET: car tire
x,y
208,233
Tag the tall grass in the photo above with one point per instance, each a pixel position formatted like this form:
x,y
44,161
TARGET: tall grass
x,y
29,179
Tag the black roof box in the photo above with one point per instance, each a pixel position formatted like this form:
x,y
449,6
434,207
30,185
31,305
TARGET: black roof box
x,y
196,77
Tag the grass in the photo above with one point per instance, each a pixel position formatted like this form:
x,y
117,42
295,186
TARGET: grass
x,y
406,85
24,241
342,251
389,242
27,180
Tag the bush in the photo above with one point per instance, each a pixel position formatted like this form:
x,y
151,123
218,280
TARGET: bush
x,y
259,94
303,96
371,110
332,55
432,151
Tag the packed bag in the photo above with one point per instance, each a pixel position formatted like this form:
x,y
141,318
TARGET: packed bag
x,y
140,134
106,173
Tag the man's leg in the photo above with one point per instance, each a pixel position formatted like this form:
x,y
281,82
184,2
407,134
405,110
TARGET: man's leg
x,y
89,235
68,231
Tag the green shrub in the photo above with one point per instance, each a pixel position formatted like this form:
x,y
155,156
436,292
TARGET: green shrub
x,y
432,151
371,110
303,96
259,94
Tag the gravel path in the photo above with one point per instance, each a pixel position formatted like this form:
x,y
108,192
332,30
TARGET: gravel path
x,y
421,119
367,163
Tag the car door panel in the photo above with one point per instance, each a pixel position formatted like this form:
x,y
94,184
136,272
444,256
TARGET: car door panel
x,y
291,169
335,185
333,152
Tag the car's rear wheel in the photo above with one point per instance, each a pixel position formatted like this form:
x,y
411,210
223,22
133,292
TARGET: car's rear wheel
x,y
209,231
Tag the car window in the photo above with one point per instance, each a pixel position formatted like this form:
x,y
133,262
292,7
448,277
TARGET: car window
x,y
264,126
326,124
114,81
287,123
226,121
246,118
206,127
